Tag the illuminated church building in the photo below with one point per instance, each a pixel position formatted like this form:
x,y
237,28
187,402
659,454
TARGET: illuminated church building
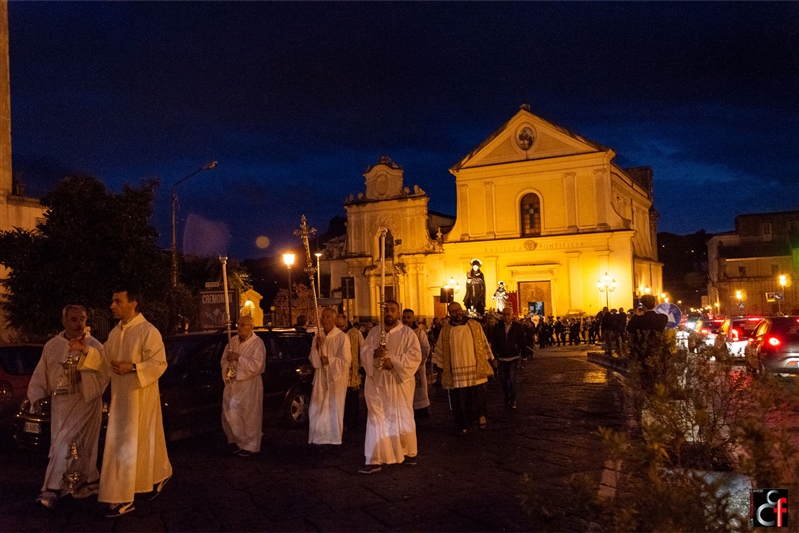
x,y
543,209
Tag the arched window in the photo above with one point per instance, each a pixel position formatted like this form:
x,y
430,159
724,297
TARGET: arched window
x,y
531,215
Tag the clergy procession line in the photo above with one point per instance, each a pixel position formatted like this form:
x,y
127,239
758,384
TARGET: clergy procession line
x,y
75,370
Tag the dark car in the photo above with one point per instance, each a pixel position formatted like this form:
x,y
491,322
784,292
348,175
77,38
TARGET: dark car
x,y
191,388
775,346
17,363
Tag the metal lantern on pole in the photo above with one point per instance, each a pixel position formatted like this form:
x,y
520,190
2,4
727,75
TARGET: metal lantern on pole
x,y
606,285
289,260
209,166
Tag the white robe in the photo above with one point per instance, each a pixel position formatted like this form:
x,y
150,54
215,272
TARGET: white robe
x,y
390,427
420,397
75,417
135,456
326,412
243,399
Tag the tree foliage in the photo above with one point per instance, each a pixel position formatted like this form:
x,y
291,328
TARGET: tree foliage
x,y
91,241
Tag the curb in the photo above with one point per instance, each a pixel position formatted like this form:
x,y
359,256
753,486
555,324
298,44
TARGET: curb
x,y
609,361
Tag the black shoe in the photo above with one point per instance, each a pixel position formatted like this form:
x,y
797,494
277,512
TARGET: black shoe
x,y
412,461
245,453
370,469
233,448
157,488
118,509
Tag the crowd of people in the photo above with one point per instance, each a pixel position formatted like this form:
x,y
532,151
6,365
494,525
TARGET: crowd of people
x,y
388,363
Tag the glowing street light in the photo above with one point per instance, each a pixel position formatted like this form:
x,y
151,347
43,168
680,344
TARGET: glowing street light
x,y
783,283
318,274
289,260
607,286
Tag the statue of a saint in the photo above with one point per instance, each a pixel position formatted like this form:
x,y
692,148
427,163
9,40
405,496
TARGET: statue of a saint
x,y
475,299
501,297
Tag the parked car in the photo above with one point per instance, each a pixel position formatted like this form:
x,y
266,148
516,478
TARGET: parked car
x,y
191,388
775,346
734,334
17,363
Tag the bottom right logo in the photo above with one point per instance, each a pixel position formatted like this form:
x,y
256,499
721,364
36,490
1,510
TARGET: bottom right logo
x,y
768,508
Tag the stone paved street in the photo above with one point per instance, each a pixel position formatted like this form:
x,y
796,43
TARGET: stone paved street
x,y
462,483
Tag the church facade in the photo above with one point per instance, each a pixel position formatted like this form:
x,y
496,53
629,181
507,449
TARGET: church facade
x,y
16,209
542,209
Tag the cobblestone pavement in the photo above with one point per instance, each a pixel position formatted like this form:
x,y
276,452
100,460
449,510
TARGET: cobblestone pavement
x,y
462,483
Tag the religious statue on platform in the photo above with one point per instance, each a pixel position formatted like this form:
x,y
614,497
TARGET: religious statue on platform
x,y
475,300
501,297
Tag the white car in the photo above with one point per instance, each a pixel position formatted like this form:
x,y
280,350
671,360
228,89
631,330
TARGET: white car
x,y
734,333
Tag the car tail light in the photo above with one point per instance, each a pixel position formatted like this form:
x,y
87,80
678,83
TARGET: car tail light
x,y
774,341
734,334
704,331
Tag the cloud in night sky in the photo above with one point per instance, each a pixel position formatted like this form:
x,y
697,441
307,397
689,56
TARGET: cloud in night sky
x,y
295,100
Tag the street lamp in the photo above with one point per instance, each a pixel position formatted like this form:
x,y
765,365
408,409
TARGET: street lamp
x,y
783,283
739,296
318,274
289,260
607,286
209,166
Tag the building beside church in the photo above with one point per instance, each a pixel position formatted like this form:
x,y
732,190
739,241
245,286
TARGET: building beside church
x,y
16,209
541,208
746,266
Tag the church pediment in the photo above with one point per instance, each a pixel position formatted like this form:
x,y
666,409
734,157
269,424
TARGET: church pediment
x,y
527,137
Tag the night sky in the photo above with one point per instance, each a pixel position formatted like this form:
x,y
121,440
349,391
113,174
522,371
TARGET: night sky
x,y
295,100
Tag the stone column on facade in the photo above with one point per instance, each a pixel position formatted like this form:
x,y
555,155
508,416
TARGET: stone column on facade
x,y
602,194
575,282
570,189
463,210
491,278
491,217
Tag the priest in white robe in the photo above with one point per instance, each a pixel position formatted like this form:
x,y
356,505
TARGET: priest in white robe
x,y
390,426
243,398
135,458
331,377
74,374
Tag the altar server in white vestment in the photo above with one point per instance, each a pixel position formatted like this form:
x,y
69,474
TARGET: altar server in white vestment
x,y
331,377
135,458
74,374
390,426
243,399
421,400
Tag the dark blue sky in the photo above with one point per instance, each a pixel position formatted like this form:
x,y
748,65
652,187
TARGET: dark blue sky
x,y
295,100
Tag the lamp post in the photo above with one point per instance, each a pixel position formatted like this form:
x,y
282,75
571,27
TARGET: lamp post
x,y
289,260
318,274
783,283
209,166
607,286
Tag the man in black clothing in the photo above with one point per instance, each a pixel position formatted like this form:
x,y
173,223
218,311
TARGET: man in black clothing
x,y
508,345
650,320
608,325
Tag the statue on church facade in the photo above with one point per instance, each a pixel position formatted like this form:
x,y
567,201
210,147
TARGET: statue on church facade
x,y
501,297
475,300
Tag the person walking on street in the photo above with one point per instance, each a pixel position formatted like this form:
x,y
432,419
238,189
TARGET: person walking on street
x,y
73,373
353,397
331,357
421,400
608,323
390,426
243,397
464,357
508,344
135,459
